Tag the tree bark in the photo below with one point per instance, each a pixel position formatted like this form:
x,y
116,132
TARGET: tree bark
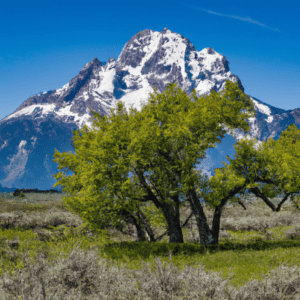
x,y
216,223
167,232
172,217
282,201
218,211
260,195
240,202
292,199
141,237
173,221
131,219
147,225
205,234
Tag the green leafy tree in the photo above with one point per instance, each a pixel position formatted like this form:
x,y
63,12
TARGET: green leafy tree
x,y
283,174
266,169
134,157
245,171
99,165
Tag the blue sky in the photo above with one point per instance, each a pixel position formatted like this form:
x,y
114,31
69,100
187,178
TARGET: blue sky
x,y
45,44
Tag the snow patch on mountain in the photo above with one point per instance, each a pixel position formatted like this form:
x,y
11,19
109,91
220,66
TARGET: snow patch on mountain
x,y
63,89
44,110
16,167
264,109
4,144
106,82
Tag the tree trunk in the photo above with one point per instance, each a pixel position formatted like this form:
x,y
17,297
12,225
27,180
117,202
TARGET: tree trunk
x,y
292,199
147,225
141,237
173,221
172,217
205,234
131,219
217,222
218,212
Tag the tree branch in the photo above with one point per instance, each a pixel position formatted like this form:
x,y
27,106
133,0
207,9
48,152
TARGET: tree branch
x,y
151,196
269,181
282,201
186,221
240,202
259,194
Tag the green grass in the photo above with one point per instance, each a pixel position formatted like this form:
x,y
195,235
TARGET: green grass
x,y
42,226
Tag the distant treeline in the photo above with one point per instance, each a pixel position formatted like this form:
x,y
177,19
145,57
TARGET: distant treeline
x,y
18,191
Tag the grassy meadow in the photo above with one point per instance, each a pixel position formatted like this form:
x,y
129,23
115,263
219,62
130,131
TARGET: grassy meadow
x,y
47,252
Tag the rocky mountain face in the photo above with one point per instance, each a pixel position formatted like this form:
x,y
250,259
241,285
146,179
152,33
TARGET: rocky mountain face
x,y
29,136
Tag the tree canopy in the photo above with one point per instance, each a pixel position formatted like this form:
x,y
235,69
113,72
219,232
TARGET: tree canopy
x,y
267,169
134,157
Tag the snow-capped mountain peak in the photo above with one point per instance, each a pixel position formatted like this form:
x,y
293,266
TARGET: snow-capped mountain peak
x,y
149,58
29,136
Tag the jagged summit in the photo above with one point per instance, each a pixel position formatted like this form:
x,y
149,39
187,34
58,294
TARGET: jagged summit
x,y
150,58
95,63
111,60
209,50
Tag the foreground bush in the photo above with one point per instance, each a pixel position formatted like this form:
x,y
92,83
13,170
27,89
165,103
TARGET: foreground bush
x,y
83,275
